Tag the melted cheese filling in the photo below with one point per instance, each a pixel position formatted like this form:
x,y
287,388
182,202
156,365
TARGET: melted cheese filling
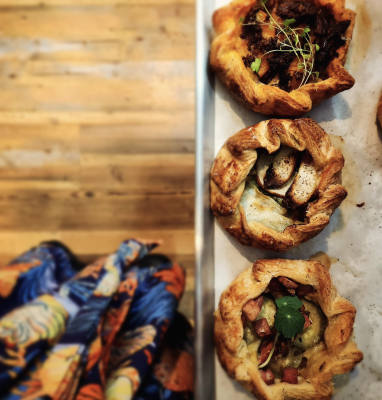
x,y
262,209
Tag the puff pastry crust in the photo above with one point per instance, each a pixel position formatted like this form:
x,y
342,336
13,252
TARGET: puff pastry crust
x,y
234,163
336,354
226,60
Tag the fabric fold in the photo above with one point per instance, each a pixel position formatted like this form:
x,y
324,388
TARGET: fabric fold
x,y
88,335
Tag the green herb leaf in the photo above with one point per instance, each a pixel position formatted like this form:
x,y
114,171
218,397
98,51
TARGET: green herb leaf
x,y
289,321
306,56
288,22
317,47
305,31
241,20
264,1
300,66
255,66
306,46
289,301
317,74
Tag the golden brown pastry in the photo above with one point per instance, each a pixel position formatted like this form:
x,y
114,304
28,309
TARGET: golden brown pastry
x,y
252,347
275,185
285,56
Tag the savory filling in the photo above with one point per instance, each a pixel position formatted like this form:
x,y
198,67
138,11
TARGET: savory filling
x,y
279,188
283,330
291,42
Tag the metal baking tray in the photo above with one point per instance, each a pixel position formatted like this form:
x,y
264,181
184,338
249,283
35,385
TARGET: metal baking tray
x,y
353,238
204,220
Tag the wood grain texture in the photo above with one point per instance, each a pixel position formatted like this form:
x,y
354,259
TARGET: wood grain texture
x,y
97,126
47,3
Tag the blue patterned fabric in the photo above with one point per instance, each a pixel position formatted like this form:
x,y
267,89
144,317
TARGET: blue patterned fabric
x,y
95,334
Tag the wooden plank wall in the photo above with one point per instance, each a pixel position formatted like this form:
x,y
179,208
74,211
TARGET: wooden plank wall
x,y
97,126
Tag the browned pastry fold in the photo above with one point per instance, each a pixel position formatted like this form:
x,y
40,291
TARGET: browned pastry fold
x,y
336,354
228,50
238,156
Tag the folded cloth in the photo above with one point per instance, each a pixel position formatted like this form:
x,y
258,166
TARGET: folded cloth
x,y
93,334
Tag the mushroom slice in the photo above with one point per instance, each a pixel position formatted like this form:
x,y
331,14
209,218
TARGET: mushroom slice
x,y
281,191
304,184
281,169
264,162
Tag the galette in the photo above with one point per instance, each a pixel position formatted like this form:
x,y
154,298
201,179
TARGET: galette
x,y
283,331
275,185
282,57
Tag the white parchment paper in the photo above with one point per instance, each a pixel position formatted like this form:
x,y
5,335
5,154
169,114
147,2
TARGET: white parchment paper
x,y
354,235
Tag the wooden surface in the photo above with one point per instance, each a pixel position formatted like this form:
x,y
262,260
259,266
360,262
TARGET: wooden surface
x,y
97,126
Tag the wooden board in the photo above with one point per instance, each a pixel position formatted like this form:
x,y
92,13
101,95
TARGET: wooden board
x,y
97,126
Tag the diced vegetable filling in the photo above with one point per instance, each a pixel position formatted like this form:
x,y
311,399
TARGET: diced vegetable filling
x,y
280,328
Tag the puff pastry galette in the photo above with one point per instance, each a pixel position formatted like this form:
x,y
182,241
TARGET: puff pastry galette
x,y
275,185
283,332
282,57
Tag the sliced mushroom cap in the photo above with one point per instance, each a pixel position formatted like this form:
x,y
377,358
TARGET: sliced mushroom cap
x,y
264,162
304,185
281,191
281,168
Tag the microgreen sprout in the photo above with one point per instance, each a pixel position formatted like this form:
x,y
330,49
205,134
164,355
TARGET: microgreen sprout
x,y
291,43
305,31
289,22
255,66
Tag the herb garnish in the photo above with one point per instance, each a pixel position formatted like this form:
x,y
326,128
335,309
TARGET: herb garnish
x,y
289,301
305,31
255,66
288,320
288,22
291,42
